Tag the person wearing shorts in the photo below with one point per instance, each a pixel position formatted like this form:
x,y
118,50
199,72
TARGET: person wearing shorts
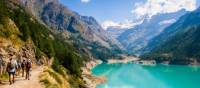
x,y
11,69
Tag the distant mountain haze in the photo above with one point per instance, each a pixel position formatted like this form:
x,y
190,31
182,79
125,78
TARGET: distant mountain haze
x,y
136,38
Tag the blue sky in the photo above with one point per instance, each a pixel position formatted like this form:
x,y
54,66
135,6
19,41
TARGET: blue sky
x,y
116,10
113,12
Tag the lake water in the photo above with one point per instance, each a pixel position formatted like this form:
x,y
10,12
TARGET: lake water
x,y
137,76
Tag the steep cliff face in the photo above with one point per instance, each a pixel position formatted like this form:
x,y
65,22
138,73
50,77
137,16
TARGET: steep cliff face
x,y
98,33
82,31
60,18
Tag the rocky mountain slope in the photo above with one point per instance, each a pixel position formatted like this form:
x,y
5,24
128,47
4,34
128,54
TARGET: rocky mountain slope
x,y
74,28
179,43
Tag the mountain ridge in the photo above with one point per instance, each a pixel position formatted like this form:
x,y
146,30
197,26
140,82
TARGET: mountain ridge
x,y
74,27
179,43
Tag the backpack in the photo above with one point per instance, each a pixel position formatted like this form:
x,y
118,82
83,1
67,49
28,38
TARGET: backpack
x,y
28,64
23,64
11,66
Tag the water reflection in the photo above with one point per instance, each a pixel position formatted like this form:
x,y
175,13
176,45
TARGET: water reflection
x,y
138,76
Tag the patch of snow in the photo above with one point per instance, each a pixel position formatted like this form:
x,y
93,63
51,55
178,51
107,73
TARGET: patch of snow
x,y
170,21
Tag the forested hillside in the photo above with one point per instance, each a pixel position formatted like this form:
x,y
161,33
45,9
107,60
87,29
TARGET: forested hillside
x,y
45,42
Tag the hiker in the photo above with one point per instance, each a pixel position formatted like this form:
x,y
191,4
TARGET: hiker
x,y
1,66
28,68
11,69
18,67
23,66
2,63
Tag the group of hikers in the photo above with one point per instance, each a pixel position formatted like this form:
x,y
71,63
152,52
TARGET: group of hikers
x,y
15,67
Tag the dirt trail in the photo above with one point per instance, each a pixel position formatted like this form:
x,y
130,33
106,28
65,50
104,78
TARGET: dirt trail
x,y
22,83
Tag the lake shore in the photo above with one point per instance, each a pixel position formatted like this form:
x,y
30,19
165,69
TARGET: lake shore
x,y
135,60
132,75
145,62
124,60
91,81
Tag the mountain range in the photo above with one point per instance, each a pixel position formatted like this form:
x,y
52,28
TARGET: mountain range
x,y
137,38
178,43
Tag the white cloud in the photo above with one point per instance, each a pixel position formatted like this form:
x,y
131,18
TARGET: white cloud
x,y
85,1
153,7
123,25
109,23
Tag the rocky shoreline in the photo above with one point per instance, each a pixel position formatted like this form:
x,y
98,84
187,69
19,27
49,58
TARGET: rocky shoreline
x,y
91,81
191,62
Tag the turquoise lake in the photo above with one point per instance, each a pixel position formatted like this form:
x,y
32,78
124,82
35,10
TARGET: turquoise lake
x,y
137,76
